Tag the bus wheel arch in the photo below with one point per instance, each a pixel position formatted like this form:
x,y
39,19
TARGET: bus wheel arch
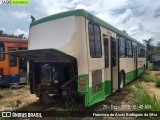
x,y
121,80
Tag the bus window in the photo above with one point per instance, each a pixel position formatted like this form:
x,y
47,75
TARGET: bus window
x,y
12,59
106,52
141,51
129,48
122,45
2,49
94,40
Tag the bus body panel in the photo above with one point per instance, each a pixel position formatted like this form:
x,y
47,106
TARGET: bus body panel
x,y
58,31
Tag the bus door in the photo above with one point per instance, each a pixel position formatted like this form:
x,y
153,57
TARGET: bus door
x,y
22,63
107,65
114,64
135,60
13,67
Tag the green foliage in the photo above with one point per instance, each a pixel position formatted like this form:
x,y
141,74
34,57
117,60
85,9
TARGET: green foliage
x,y
5,118
70,105
141,76
27,87
10,104
157,82
2,34
150,66
153,67
149,78
7,92
144,98
148,42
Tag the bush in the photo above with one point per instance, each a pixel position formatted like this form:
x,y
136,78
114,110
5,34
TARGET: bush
x,y
150,66
145,99
153,67
157,82
148,78
70,105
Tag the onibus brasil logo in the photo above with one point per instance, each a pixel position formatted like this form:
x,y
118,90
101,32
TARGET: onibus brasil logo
x,y
14,1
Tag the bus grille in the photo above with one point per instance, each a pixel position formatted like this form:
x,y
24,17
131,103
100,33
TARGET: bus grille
x,y
96,77
96,81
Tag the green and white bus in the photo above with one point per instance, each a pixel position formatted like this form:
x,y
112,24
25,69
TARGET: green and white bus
x,y
75,53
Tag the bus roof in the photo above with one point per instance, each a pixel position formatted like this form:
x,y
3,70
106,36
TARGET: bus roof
x,y
15,40
87,15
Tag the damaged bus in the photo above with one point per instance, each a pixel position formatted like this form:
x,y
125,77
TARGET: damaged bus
x,y
75,53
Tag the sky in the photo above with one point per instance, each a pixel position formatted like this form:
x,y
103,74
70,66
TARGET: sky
x,y
140,18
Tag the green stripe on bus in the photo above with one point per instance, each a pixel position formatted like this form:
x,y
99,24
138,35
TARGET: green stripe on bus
x,y
85,91
108,87
99,96
87,83
132,75
91,98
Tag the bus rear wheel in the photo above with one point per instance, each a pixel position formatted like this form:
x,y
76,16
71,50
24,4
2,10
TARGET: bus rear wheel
x,y
121,81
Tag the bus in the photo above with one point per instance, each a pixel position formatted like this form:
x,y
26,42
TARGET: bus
x,y
12,69
74,53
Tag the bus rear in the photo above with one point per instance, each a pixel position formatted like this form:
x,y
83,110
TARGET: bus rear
x,y
52,58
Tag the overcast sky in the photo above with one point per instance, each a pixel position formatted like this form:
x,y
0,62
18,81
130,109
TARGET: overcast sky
x,y
140,18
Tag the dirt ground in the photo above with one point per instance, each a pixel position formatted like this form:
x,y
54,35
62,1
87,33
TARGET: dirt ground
x,y
31,103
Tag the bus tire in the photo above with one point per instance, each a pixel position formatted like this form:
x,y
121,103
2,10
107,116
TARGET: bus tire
x,y
121,80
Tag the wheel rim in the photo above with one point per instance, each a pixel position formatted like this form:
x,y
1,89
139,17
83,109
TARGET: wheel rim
x,y
121,80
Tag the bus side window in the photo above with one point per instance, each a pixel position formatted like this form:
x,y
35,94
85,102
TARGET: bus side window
x,y
12,59
94,40
2,49
106,52
122,47
129,49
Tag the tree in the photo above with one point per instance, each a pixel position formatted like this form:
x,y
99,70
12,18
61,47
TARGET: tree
x,y
149,44
21,36
149,47
124,31
158,44
2,34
